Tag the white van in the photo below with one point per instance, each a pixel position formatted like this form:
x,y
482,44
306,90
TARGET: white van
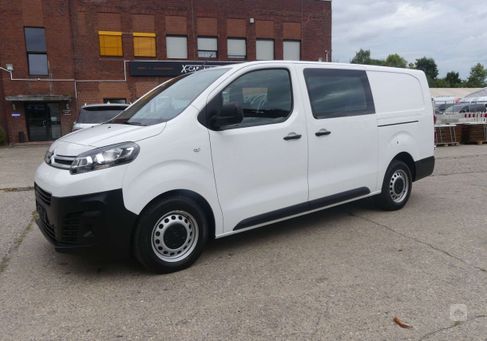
x,y
232,148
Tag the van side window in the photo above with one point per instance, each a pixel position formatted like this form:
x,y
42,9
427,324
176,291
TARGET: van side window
x,y
337,93
263,96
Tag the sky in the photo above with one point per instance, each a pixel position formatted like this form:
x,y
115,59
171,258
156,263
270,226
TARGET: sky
x,y
452,32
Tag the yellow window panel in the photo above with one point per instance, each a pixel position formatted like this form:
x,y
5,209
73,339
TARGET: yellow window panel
x,y
110,43
144,34
144,44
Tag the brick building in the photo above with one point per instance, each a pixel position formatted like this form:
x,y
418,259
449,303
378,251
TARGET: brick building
x,y
57,55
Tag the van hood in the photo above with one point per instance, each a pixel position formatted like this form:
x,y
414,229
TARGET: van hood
x,y
103,135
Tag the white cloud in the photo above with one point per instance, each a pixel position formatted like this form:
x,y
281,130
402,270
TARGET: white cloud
x,y
452,32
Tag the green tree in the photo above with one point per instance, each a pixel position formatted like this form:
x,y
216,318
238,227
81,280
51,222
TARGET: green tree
x,y
453,79
440,83
477,77
395,60
361,57
428,65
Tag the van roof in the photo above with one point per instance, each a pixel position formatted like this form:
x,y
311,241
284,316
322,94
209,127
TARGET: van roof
x,y
325,65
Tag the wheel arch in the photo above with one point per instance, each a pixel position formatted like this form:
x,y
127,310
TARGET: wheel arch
x,y
191,195
408,160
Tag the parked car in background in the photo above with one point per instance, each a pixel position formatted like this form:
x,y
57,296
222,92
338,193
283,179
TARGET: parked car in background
x,y
466,108
94,114
440,108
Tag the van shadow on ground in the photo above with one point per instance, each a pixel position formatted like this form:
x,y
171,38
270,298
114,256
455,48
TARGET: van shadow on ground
x,y
92,263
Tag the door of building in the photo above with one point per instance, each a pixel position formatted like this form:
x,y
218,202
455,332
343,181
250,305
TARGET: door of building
x,y
43,121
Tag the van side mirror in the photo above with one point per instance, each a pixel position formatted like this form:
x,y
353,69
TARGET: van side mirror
x,y
229,114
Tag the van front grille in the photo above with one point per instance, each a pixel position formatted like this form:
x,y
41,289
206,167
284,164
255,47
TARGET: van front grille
x,y
62,161
71,227
42,195
48,229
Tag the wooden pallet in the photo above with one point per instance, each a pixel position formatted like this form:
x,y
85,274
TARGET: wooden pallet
x,y
459,132
475,134
447,144
446,135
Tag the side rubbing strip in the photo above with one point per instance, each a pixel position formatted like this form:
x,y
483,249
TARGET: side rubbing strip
x,y
396,124
301,208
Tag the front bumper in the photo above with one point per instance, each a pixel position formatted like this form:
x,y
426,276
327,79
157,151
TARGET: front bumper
x,y
93,220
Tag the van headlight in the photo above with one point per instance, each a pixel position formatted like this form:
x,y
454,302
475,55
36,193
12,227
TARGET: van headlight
x,y
48,156
104,157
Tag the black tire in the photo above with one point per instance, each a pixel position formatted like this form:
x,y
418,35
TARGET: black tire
x,y
168,225
394,196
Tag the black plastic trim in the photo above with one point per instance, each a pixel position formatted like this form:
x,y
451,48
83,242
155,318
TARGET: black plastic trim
x,y
97,220
424,167
301,208
396,124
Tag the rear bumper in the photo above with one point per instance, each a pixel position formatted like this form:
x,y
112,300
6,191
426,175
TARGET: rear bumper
x,y
97,220
424,167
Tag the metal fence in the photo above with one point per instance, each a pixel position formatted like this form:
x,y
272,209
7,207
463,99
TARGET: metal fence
x,y
478,117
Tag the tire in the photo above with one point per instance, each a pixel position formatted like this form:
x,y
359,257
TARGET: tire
x,y
171,234
396,187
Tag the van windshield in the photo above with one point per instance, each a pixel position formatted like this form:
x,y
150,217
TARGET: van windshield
x,y
99,114
169,99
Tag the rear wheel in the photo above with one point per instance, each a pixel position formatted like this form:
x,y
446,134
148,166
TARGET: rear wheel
x,y
396,187
171,234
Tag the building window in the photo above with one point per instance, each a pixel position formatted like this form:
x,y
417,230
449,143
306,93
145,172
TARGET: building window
x,y
144,44
236,48
110,44
207,47
265,49
292,50
177,47
35,44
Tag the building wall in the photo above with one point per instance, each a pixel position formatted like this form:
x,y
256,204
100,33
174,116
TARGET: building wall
x,y
53,15
73,47
3,116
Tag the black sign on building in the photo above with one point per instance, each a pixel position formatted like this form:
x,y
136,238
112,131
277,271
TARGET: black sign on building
x,y
139,68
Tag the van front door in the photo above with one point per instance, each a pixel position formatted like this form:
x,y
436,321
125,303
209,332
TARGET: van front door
x,y
260,164
342,130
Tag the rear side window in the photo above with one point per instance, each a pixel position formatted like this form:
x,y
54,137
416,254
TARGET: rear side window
x,y
337,93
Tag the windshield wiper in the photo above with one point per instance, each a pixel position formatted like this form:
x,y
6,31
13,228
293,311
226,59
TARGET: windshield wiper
x,y
134,123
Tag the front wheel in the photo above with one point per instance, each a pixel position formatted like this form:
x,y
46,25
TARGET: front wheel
x,y
170,235
396,187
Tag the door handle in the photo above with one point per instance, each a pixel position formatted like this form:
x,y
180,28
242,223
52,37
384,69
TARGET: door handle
x,y
322,132
292,136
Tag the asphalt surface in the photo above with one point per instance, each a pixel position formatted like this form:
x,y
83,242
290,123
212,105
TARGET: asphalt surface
x,y
340,274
